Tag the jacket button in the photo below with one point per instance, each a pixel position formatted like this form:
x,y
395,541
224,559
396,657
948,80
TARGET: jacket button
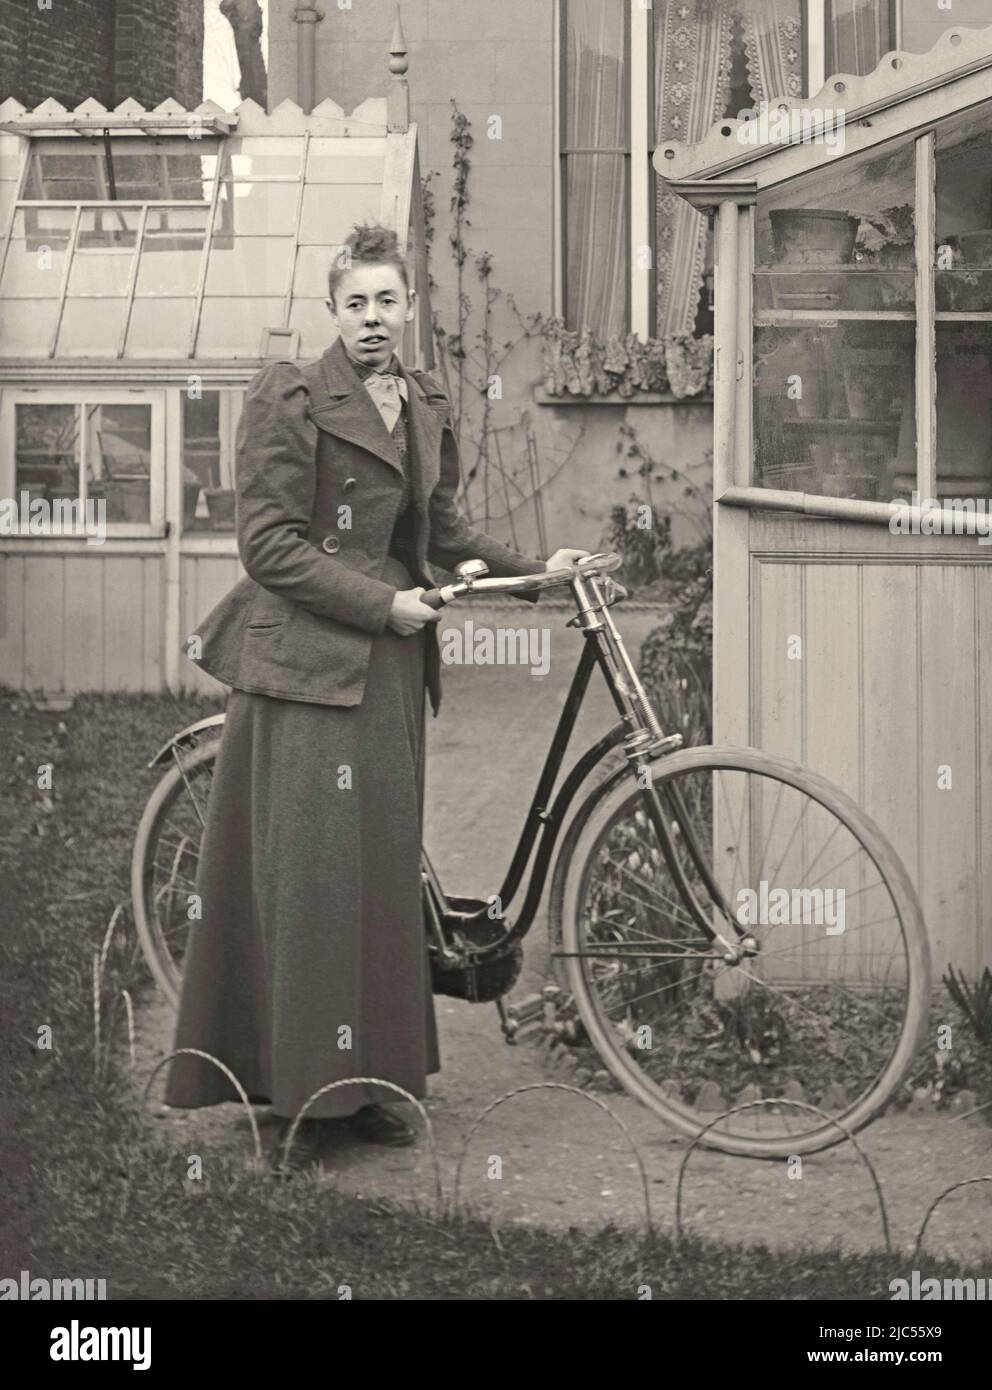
x,y
331,545
348,485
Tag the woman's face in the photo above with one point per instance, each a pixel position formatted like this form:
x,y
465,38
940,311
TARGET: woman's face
x,y
370,307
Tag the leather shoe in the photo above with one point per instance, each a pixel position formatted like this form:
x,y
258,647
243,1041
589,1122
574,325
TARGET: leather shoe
x,y
377,1125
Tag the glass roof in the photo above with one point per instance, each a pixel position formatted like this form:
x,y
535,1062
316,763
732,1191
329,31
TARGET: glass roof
x,y
170,248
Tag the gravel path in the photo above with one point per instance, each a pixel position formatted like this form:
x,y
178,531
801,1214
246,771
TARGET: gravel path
x,y
561,1159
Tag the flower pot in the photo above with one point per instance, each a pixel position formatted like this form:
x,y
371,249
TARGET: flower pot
x,y
875,391
220,505
813,236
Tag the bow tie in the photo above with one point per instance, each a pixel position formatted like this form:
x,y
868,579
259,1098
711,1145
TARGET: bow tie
x,y
388,391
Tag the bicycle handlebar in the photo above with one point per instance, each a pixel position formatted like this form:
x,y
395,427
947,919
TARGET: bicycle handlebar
x,y
588,568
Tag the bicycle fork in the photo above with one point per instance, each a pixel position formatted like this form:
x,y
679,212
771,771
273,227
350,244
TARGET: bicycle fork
x,y
646,740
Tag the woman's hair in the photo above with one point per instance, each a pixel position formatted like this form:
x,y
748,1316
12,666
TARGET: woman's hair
x,y
368,244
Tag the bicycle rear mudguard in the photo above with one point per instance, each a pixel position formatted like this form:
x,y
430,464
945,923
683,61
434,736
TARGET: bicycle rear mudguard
x,y
187,735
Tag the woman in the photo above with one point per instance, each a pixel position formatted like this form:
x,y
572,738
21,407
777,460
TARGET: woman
x,y
309,963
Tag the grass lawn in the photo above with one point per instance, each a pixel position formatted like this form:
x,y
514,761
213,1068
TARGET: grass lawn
x,y
94,1189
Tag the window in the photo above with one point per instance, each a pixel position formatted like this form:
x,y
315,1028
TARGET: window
x,y
859,33
209,425
595,166
841,351
104,447
636,258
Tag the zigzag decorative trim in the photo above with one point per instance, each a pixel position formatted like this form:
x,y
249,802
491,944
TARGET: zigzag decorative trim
x,y
956,51
328,118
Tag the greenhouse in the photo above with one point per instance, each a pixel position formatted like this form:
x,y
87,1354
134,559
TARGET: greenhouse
x,y
152,261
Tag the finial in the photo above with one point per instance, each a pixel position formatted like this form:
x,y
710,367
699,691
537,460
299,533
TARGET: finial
x,y
398,101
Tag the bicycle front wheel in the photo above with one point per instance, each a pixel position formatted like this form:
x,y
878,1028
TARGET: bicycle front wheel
x,y
828,1005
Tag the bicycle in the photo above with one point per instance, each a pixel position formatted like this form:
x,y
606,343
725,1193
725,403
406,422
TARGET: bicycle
x,y
668,957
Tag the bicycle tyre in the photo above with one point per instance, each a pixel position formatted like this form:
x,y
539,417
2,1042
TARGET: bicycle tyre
x,y
600,810
170,788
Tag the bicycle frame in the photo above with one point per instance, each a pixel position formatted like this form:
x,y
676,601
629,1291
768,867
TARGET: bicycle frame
x,y
644,741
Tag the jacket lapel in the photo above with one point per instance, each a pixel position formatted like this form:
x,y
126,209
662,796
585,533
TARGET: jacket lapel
x,y
348,410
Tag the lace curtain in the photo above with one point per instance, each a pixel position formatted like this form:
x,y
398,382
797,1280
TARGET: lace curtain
x,y
858,35
595,145
694,56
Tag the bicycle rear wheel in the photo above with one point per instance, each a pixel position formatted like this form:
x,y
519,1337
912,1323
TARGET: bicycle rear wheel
x,y
830,1007
165,859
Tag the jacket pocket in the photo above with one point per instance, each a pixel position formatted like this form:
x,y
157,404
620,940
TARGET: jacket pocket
x,y
266,624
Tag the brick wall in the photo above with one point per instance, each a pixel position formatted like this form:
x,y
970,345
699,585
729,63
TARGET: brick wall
x,y
158,51
65,52
107,49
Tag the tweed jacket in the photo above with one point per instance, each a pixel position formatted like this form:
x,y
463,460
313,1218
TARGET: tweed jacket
x,y
319,485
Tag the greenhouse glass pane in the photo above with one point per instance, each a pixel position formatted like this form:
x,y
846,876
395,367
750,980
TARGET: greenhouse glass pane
x,y
259,209
331,210
312,265
66,176
262,156
41,227
233,327
108,228
32,269
317,330
172,250
8,197
26,327
46,450
118,459
345,165
91,326
155,175
252,266
100,273
160,327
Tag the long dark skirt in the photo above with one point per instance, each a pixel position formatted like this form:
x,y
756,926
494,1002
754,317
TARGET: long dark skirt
x,y
310,962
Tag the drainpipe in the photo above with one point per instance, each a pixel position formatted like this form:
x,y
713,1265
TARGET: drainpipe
x,y
307,17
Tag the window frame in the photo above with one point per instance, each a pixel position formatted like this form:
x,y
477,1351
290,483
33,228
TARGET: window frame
x,y
641,319
155,526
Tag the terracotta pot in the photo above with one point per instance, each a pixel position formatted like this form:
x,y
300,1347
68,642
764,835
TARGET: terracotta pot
x,y
814,236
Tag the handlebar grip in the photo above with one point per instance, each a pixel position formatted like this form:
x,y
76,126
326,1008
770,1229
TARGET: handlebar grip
x,y
432,597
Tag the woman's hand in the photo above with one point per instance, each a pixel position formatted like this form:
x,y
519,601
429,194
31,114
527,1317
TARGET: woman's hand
x,y
563,559
408,615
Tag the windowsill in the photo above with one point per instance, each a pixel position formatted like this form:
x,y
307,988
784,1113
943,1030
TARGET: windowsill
x,y
543,397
